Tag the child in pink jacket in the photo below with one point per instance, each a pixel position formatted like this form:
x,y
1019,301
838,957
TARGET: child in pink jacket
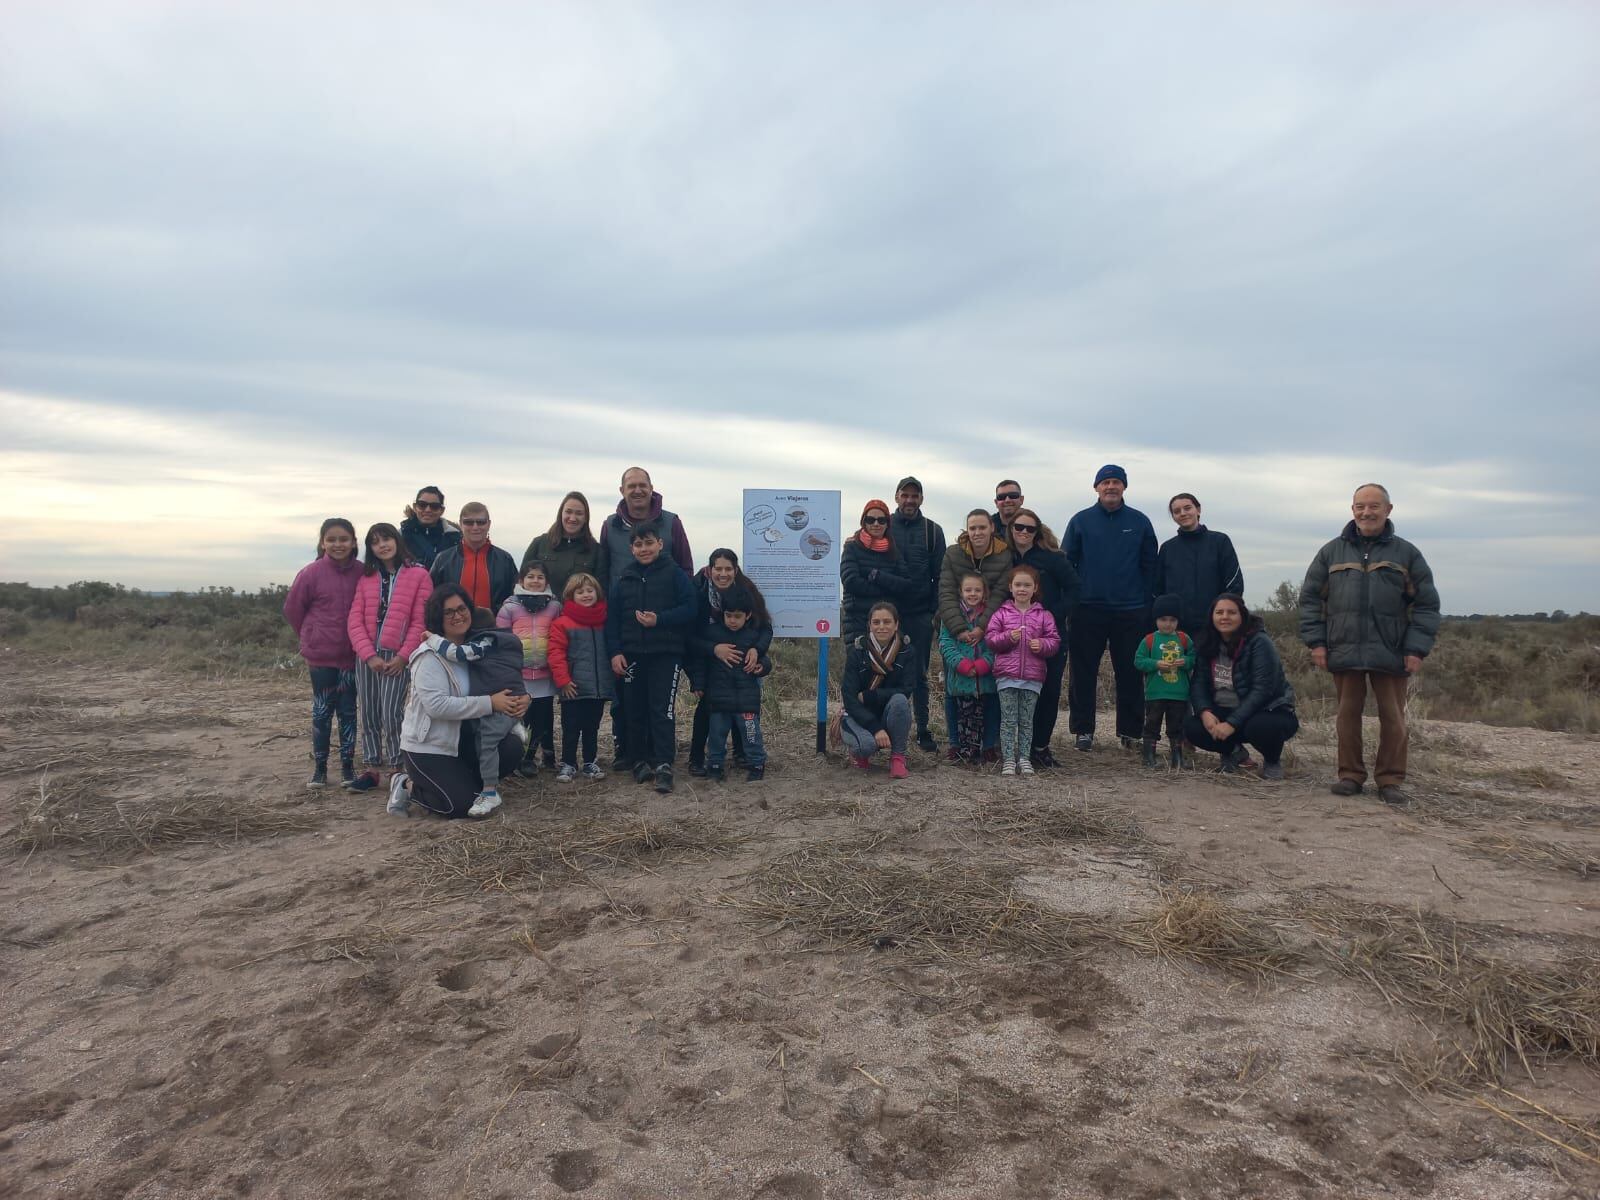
x,y
1022,634
317,607
529,612
385,626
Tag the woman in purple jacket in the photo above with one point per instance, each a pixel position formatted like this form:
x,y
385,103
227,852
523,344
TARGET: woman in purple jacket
x,y
318,608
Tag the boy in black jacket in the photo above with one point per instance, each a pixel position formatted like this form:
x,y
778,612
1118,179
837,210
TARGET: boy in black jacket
x,y
733,694
648,615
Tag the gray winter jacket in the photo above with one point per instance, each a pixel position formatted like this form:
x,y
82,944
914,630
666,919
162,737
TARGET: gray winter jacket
x,y
1371,602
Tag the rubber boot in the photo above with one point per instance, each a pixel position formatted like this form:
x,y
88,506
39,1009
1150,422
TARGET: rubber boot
x,y
1178,762
1149,757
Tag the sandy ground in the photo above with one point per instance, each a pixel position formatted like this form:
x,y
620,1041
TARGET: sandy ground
x,y
331,1013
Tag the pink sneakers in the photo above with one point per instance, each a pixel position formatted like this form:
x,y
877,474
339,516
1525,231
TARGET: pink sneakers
x,y
897,766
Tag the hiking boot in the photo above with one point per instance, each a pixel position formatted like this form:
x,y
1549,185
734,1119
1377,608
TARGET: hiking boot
x,y
1395,796
364,782
642,773
566,773
399,799
528,768
1024,766
755,773
715,774
1272,770
1346,787
1176,758
926,743
664,778
319,776
897,766
486,802
861,761
697,769
1084,742
347,774
1008,767
1148,758
593,771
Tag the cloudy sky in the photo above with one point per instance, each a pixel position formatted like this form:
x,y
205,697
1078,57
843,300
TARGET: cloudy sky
x,y
263,263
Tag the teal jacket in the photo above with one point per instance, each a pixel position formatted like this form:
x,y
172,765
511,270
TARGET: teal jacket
x,y
955,653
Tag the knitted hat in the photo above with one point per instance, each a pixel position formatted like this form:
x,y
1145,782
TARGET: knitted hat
x,y
871,504
1168,606
1110,471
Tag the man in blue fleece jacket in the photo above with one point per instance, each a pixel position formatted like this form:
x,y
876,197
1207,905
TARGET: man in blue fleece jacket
x,y
1113,548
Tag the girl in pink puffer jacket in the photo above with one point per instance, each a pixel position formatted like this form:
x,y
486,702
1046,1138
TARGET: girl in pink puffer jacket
x,y
1022,634
385,625
318,607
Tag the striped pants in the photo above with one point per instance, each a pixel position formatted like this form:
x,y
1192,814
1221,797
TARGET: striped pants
x,y
382,700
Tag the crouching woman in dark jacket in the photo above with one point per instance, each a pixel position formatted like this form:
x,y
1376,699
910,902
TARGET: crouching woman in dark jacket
x,y
878,677
1239,690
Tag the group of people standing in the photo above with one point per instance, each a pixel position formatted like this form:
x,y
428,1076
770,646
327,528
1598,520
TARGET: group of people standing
x,y
1014,610
456,655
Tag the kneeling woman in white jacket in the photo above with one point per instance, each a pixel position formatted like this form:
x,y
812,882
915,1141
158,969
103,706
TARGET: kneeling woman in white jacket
x,y
438,739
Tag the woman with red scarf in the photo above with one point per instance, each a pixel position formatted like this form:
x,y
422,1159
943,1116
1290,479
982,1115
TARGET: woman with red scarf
x,y
871,569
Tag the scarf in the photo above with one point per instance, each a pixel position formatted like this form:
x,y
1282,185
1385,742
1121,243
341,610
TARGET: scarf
x,y
880,544
880,659
592,617
712,595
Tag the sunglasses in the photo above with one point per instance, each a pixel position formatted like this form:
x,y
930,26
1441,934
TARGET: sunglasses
x,y
874,520
1007,496
474,520
1019,527
429,505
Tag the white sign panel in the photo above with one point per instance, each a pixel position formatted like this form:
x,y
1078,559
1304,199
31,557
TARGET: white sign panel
x,y
791,550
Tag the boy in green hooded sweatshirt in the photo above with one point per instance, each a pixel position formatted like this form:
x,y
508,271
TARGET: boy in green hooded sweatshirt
x,y
1165,658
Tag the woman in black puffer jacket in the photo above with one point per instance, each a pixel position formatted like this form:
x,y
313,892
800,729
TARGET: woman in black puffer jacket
x,y
1239,690
871,569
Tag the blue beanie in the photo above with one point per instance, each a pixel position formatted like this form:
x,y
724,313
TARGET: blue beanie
x,y
1111,471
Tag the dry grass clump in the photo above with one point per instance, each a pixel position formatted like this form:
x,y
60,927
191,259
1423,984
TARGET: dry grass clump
x,y
836,895
1535,852
506,857
1467,805
1506,1012
89,810
1199,927
1082,820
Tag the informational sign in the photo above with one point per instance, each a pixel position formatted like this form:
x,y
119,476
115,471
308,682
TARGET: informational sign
x,y
791,550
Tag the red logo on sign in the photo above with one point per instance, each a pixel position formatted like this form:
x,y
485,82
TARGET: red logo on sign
x,y
822,627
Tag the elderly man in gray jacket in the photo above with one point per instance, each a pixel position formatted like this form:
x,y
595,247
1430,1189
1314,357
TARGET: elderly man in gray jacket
x,y
1370,613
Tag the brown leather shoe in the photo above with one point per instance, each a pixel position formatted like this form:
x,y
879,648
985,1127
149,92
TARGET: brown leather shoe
x,y
1346,787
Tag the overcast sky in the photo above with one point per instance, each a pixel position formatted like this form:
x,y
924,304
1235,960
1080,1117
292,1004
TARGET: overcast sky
x,y
264,263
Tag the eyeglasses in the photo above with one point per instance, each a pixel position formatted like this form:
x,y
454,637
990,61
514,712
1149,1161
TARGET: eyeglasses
x,y
427,505
474,520
874,520
1019,527
457,610
1007,496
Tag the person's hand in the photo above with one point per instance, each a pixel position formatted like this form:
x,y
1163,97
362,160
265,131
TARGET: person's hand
x,y
882,738
1034,645
970,637
1016,636
509,702
752,660
619,665
1209,720
1319,658
647,619
726,653
570,692
1222,731
377,665
1413,663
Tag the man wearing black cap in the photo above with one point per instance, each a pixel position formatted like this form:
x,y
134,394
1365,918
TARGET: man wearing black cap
x,y
1113,548
920,545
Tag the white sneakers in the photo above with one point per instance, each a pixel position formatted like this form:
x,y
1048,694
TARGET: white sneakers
x,y
488,800
1024,766
399,799
1008,767
1018,767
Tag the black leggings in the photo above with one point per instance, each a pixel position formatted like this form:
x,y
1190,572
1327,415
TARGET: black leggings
x,y
541,722
447,785
1266,731
580,717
